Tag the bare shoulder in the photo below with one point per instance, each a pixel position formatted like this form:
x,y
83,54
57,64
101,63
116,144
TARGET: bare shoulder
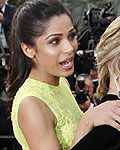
x,y
37,123
31,106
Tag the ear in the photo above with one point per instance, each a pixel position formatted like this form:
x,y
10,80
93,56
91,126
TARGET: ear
x,y
27,50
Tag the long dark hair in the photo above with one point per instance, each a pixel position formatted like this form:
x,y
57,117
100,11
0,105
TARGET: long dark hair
x,y
30,21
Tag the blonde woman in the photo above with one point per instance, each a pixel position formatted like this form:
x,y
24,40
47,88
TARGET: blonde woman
x,y
108,60
106,137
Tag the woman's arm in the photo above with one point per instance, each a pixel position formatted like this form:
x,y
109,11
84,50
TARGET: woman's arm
x,y
105,113
37,123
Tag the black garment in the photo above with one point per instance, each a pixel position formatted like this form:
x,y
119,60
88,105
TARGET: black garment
x,y
5,121
103,137
6,129
5,125
109,97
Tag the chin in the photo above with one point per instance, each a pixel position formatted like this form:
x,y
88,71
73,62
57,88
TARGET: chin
x,y
68,73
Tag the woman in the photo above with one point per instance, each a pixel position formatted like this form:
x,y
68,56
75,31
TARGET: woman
x,y
45,114
108,60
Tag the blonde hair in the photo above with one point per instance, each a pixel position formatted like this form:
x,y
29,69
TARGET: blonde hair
x,y
108,50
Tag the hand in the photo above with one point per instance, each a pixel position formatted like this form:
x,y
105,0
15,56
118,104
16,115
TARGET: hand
x,y
106,113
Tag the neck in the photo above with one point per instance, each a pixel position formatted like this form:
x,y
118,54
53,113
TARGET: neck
x,y
112,87
49,79
112,91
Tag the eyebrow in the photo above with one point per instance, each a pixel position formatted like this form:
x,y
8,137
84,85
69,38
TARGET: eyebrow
x,y
59,34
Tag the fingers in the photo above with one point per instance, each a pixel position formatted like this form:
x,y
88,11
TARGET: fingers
x,y
116,110
116,117
107,113
115,124
116,113
113,114
117,103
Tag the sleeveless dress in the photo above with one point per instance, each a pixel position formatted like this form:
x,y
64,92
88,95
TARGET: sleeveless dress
x,y
61,102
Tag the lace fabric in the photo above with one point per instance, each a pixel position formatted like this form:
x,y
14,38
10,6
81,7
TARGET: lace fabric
x,y
61,102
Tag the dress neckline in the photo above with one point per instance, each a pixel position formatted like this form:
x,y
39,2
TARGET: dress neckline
x,y
40,82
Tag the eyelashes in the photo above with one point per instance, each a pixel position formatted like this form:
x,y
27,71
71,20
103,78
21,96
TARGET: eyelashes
x,y
73,35
57,40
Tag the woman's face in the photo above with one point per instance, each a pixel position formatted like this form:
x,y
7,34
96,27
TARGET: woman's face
x,y
56,48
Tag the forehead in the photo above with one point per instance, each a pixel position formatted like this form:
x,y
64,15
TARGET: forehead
x,y
2,1
59,23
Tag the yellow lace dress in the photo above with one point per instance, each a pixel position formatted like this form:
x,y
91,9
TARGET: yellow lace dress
x,y
62,103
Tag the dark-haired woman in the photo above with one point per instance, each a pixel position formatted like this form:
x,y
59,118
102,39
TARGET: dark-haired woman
x,y
45,115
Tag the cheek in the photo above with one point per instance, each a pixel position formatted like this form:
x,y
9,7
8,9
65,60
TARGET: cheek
x,y
52,52
48,53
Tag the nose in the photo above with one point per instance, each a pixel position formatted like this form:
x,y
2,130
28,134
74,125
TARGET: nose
x,y
69,47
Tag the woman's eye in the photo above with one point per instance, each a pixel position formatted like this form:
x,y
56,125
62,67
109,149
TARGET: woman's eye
x,y
55,41
72,36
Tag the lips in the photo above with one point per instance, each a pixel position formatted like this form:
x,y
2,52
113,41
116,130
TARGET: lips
x,y
67,63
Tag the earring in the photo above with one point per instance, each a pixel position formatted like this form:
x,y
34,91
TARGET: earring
x,y
29,50
30,54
